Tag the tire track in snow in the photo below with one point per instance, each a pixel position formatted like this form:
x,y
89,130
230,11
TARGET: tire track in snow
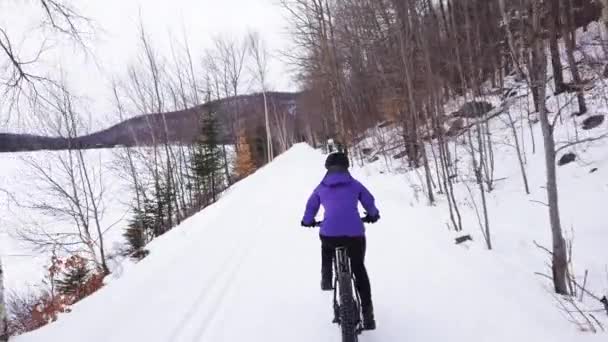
x,y
223,279
211,314
200,300
222,271
257,234
210,301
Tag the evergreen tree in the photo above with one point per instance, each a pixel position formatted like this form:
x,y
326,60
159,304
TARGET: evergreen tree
x,y
148,222
136,235
73,278
207,162
161,213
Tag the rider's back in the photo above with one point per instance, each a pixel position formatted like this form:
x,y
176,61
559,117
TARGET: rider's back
x,y
339,194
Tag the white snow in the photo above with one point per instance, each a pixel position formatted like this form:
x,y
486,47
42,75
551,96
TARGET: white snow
x,y
20,188
243,269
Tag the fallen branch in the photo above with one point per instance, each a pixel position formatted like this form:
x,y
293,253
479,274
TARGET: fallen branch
x,y
464,238
569,312
603,300
590,294
580,312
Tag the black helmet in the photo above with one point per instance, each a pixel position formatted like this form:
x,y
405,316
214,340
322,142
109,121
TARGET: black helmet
x,y
337,161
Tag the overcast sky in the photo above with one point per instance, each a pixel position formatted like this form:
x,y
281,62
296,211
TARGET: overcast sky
x,y
116,43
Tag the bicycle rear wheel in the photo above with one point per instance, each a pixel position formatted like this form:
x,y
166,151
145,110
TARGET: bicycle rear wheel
x,y
349,311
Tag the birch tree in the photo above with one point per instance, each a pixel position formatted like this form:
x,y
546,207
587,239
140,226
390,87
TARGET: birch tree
x,y
538,72
259,53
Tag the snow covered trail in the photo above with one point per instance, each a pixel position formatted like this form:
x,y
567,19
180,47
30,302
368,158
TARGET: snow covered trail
x,y
243,270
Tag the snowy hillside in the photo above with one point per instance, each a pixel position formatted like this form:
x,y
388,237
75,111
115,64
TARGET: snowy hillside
x,y
244,269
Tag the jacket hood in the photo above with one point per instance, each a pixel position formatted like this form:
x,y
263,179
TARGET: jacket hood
x,y
333,179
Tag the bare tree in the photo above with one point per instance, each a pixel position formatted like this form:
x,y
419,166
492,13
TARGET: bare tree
x,y
538,73
3,312
19,79
519,150
226,64
260,56
477,166
70,190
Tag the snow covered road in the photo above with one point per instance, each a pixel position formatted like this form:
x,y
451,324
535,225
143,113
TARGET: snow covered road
x,y
244,270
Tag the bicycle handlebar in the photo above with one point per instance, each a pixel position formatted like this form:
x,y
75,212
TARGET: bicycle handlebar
x,y
319,223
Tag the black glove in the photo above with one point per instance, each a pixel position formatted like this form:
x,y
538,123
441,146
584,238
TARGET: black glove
x,y
308,225
371,219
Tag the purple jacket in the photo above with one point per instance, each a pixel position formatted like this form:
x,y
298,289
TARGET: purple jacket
x,y
340,193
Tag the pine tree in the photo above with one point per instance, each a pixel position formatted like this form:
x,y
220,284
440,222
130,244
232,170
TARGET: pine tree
x,y
245,164
136,235
207,162
148,222
73,278
161,214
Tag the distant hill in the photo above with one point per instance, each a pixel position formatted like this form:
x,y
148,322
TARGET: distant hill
x,y
26,142
175,127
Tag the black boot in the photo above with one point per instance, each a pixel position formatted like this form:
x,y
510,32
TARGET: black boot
x,y
369,323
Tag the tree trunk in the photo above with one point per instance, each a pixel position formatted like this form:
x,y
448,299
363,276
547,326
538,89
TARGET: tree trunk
x,y
487,150
269,151
519,153
604,27
436,162
3,313
477,169
96,213
554,22
511,40
482,161
427,171
447,179
569,31
560,257
226,167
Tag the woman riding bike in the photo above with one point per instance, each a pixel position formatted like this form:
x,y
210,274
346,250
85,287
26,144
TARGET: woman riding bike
x,y
340,194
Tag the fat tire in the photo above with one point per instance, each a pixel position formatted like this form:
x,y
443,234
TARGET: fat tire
x,y
349,317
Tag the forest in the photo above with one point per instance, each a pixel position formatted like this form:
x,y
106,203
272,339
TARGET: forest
x,y
360,64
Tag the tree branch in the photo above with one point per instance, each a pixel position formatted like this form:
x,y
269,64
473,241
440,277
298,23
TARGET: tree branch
x,y
575,143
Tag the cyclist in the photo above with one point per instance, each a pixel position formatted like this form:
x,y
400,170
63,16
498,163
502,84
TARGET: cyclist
x,y
340,193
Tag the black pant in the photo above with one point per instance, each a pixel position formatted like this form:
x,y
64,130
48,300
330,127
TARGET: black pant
x,y
355,248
